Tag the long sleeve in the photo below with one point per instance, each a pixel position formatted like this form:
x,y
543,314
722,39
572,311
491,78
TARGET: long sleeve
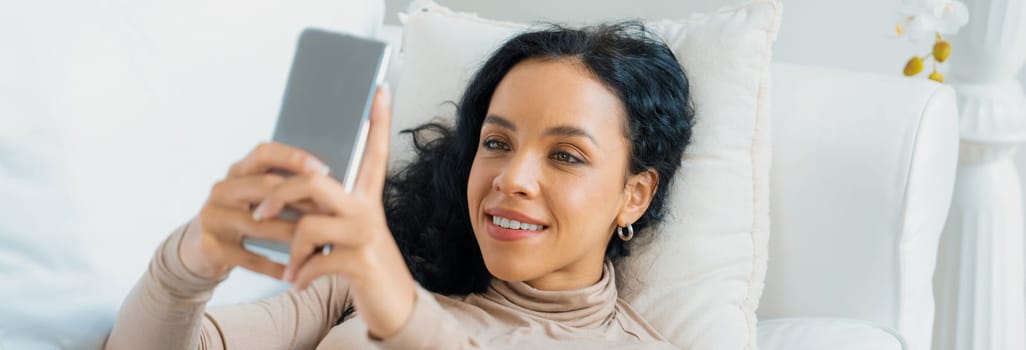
x,y
430,327
166,310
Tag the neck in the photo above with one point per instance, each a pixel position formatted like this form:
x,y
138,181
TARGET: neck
x,y
591,304
575,276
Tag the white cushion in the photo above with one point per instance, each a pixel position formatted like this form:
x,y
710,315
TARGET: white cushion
x,y
117,117
825,333
700,282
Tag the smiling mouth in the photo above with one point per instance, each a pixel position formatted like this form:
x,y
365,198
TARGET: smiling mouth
x,y
511,224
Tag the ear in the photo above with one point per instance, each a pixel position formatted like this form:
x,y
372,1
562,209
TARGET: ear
x,y
639,191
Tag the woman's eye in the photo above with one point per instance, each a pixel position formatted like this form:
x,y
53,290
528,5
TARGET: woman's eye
x,y
493,144
566,158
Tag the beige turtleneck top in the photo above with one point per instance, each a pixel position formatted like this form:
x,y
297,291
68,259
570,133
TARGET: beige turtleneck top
x,y
166,310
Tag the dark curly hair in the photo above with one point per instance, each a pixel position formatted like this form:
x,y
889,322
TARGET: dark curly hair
x,y
426,200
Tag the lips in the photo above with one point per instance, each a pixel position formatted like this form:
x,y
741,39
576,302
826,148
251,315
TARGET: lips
x,y
513,215
509,225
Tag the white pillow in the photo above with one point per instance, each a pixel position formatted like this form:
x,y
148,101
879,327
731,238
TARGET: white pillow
x,y
117,117
700,280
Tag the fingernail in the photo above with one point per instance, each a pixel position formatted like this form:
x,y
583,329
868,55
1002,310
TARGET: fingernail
x,y
314,165
287,277
258,213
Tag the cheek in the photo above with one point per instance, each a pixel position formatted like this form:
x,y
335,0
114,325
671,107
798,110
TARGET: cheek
x,y
579,198
586,201
478,184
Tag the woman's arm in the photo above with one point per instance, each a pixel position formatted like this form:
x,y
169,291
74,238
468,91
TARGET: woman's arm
x,y
166,310
429,328
351,226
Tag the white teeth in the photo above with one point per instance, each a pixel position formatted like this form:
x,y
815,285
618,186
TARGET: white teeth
x,y
513,224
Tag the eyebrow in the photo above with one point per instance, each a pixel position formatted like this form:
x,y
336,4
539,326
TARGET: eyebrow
x,y
500,121
562,130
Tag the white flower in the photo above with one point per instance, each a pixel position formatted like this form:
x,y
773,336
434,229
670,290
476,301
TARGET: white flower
x,y
920,19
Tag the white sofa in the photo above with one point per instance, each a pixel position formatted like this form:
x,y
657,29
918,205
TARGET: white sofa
x,y
863,168
862,176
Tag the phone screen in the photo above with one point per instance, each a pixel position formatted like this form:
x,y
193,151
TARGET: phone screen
x,y
327,101
325,108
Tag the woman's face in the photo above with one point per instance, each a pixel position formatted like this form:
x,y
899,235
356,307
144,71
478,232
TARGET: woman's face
x,y
550,181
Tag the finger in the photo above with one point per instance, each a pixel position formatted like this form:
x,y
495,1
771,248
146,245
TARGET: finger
x,y
237,224
371,177
256,263
309,207
242,191
316,267
323,191
277,156
300,208
316,231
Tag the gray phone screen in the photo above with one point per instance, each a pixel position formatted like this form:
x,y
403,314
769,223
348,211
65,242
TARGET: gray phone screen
x,y
328,98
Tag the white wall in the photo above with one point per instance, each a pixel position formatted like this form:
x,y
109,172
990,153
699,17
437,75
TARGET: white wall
x,y
848,34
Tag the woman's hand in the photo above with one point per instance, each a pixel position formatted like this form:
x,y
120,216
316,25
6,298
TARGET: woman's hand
x,y
353,224
212,244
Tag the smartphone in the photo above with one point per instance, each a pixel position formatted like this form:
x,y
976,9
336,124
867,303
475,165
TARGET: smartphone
x,y
326,109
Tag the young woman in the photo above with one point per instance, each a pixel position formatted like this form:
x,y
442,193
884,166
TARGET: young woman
x,y
502,233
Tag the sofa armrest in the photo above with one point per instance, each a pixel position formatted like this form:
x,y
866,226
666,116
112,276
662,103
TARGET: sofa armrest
x,y
863,172
826,333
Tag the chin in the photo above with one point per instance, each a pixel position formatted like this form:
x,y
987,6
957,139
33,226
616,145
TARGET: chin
x,y
513,261
508,268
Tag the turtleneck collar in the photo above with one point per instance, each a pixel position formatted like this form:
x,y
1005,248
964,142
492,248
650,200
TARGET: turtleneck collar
x,y
588,307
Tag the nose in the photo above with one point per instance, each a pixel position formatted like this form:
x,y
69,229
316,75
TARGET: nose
x,y
519,178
